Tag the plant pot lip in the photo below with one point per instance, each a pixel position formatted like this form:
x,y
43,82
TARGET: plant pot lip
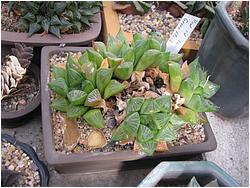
x,y
81,38
227,22
43,171
55,158
31,106
172,170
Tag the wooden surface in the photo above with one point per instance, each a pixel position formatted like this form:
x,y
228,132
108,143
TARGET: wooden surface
x,y
112,26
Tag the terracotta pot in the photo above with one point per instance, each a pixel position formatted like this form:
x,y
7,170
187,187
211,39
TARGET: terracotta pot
x,y
42,169
20,117
82,38
93,162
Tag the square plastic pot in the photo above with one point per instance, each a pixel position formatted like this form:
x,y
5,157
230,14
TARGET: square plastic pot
x,y
99,161
180,173
77,39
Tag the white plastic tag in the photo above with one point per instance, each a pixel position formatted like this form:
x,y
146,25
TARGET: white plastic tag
x,y
181,33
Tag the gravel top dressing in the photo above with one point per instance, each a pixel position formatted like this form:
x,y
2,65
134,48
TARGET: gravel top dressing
x,y
161,22
70,136
14,159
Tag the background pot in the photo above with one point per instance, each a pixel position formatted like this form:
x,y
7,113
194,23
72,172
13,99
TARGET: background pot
x,y
82,38
93,161
20,117
224,53
42,169
182,172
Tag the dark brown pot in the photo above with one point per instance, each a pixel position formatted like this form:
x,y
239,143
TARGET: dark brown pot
x,y
20,117
93,162
82,38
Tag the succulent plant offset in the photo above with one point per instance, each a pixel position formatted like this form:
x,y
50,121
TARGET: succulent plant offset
x,y
54,17
150,117
14,68
194,183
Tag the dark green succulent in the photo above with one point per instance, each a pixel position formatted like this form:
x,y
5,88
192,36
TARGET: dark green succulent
x,y
54,17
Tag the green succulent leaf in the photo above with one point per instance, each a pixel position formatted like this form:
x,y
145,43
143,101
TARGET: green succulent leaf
x,y
186,89
87,86
148,147
113,88
168,133
144,134
165,103
189,115
93,98
175,76
45,25
55,30
121,133
95,57
161,119
55,20
58,72
114,62
59,86
33,28
200,104
176,57
210,89
89,71
103,77
74,112
94,118
30,17
195,70
150,57
59,7
150,106
163,66
129,55
124,71
60,104
132,123
147,120
74,77
134,104
139,49
177,121
77,97
99,47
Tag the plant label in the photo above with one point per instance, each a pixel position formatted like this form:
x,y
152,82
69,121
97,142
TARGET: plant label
x,y
181,33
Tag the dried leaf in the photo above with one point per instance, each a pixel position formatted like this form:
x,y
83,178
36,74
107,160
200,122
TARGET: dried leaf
x,y
120,104
150,94
161,146
137,76
71,134
185,70
96,139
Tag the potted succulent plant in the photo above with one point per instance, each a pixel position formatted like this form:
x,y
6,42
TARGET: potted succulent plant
x,y
20,86
110,100
112,23
50,23
21,166
188,174
224,53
